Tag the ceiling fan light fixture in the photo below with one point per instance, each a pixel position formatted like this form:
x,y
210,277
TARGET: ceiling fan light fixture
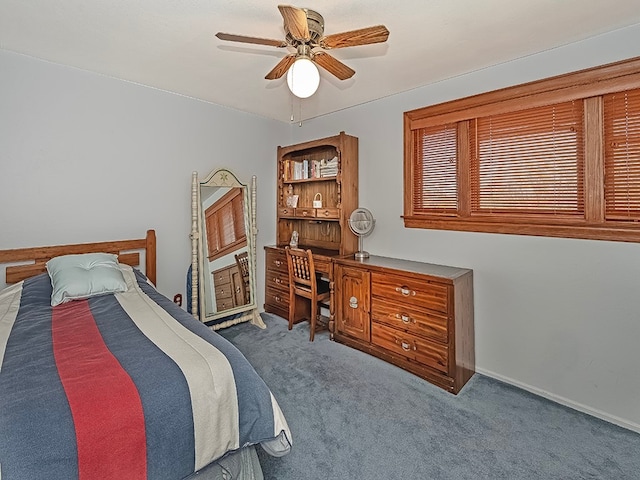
x,y
303,77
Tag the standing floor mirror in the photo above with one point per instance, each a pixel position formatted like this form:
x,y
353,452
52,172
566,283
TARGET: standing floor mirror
x,y
223,250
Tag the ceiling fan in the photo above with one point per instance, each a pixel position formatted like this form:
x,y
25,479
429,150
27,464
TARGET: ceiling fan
x,y
304,29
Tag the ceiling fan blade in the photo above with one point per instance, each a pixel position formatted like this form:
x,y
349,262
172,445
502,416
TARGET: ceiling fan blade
x,y
244,39
295,22
333,66
281,68
363,36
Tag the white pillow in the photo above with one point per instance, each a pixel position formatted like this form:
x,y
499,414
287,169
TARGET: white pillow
x,y
82,276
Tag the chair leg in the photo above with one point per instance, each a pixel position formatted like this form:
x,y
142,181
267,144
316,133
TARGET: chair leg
x,y
312,320
292,309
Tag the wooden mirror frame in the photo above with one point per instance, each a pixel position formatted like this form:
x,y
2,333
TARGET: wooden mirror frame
x,y
222,177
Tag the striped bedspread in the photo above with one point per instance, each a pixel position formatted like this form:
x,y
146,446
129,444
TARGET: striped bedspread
x,y
122,386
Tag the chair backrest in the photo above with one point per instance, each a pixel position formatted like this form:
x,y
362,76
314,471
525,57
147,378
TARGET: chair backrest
x,y
242,259
302,271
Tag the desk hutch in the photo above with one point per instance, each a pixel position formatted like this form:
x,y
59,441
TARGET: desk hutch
x,y
323,170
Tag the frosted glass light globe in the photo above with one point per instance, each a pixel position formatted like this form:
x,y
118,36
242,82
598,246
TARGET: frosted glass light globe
x,y
303,78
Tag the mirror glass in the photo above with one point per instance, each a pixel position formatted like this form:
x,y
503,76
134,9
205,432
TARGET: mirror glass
x,y
223,240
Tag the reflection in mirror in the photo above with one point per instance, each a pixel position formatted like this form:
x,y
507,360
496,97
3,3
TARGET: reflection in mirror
x,y
223,250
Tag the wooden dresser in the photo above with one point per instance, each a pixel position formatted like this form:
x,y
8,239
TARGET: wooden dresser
x,y
418,316
227,282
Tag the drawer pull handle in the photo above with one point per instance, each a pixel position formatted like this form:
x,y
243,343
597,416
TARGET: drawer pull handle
x,y
237,289
353,302
278,263
405,318
406,346
277,298
405,291
277,280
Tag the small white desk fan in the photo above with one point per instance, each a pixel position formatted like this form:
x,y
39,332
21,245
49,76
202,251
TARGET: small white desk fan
x,y
361,223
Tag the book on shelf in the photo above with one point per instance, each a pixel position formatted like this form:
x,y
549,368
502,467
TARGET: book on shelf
x,y
309,169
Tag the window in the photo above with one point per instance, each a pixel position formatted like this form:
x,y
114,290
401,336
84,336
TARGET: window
x,y
622,155
558,157
225,224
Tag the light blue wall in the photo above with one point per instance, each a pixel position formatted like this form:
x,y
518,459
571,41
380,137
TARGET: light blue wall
x,y
85,158
560,317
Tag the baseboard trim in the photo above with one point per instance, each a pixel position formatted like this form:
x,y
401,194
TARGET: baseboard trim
x,y
564,401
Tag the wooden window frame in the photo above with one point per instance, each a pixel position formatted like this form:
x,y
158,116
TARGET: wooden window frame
x,y
588,86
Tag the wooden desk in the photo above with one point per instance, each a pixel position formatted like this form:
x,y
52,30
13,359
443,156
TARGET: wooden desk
x,y
276,299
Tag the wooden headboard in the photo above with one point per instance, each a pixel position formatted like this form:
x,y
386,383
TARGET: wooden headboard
x,y
125,249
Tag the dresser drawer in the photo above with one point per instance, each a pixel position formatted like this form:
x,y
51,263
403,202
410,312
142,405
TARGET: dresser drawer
x,y
414,348
276,260
410,319
277,296
328,213
286,212
277,279
278,301
306,212
411,291
223,290
224,303
322,265
222,276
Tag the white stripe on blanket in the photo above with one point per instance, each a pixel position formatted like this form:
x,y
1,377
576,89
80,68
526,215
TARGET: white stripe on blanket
x,y
213,394
9,306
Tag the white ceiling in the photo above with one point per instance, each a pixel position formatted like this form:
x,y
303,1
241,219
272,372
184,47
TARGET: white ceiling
x,y
170,44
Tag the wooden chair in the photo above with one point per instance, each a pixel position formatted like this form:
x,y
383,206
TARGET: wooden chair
x,y
304,283
242,259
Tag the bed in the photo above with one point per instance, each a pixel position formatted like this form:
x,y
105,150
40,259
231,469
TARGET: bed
x,y
115,381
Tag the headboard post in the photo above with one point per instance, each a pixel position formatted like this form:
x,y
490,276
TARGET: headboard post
x,y
150,256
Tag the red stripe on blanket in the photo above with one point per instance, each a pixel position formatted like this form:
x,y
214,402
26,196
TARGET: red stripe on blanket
x,y
105,405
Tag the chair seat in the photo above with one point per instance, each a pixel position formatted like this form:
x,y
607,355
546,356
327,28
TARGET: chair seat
x,y
322,288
